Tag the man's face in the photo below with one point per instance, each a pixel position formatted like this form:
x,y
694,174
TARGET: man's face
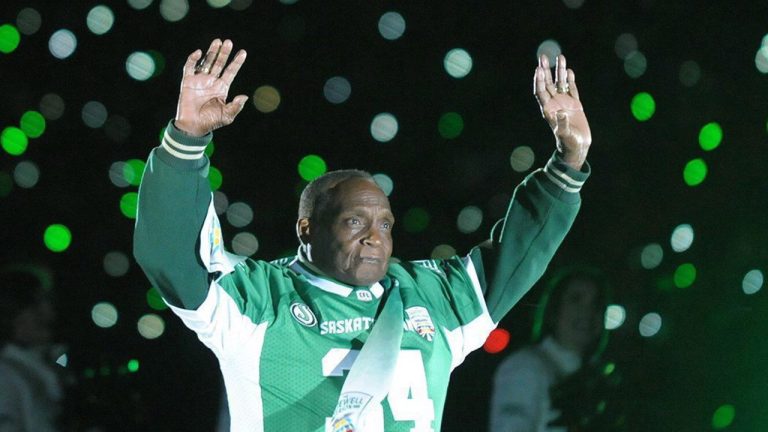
x,y
580,320
352,240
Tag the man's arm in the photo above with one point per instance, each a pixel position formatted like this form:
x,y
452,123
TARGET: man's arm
x,y
545,204
175,196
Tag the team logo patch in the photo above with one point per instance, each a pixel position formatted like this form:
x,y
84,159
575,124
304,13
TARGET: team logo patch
x,y
420,322
364,295
303,314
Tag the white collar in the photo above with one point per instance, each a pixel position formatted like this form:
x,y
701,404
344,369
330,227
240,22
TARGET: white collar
x,y
319,279
568,361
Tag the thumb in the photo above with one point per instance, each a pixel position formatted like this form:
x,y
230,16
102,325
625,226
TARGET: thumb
x,y
233,108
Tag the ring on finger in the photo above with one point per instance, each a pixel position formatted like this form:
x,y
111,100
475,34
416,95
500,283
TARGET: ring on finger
x,y
563,89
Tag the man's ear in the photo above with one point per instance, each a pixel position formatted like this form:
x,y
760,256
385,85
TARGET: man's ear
x,y
303,230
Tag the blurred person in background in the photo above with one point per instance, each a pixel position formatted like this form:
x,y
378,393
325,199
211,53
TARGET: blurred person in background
x,y
558,383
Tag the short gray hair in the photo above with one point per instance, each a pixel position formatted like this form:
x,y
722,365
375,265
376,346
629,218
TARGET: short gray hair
x,y
315,195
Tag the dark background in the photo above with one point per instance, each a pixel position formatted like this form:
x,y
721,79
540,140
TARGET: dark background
x,y
712,348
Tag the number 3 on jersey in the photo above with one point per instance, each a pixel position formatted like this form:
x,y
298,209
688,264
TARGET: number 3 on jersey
x,y
408,397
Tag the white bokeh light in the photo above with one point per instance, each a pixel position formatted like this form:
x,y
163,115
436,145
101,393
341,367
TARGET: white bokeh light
x,y
62,43
384,127
104,314
458,63
682,238
140,66
615,315
100,20
752,282
650,324
391,25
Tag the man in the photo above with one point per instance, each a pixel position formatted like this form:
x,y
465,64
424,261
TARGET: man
x,y
569,336
286,332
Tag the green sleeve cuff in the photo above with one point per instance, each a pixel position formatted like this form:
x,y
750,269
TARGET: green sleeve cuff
x,y
183,151
562,181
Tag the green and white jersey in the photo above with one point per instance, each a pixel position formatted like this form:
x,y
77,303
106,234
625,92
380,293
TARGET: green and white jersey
x,y
285,335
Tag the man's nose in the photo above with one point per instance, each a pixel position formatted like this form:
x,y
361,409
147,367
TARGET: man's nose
x,y
372,237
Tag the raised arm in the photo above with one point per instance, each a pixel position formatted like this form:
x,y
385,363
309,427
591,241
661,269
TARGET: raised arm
x,y
545,204
175,196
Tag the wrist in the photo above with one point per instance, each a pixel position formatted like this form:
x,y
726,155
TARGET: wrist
x,y
188,128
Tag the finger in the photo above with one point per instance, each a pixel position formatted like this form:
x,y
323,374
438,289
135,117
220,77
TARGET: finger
x,y
189,66
232,109
549,84
222,57
231,71
572,84
210,56
540,88
561,74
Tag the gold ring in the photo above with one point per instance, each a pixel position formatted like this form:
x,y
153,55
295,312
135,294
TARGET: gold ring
x,y
565,89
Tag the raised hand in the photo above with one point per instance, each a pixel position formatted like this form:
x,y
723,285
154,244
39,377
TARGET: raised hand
x,y
560,106
205,84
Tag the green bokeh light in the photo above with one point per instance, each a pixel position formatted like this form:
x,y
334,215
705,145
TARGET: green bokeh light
x,y
129,204
311,167
450,125
695,172
416,220
9,38
154,300
57,237
210,148
723,416
133,365
33,124
710,136
14,141
643,106
685,275
609,368
215,178
133,171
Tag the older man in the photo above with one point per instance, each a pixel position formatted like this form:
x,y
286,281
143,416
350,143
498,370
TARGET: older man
x,y
340,338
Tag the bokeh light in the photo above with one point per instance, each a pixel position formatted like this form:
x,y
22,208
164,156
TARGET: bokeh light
x,y
239,214
469,219
573,4
133,366
723,416
458,63
695,172
94,114
151,326
215,178
550,48
650,324
761,60
651,256
635,64
174,10
217,3
710,136
32,123
690,73
416,220
62,43
391,25
311,167
643,106
129,204
116,263
443,251
26,174
155,300
104,314
14,141
245,244
625,44
615,315
117,174
28,21
140,4
140,66
52,106
682,238
100,19
220,202
450,125
385,183
266,99
57,237
337,90
522,158
133,171
497,341
9,38
752,282
685,275
384,127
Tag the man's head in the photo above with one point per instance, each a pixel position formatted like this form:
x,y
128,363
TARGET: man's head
x,y
346,222
573,310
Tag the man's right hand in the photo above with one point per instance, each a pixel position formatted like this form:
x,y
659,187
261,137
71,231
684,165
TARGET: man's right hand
x,y
205,84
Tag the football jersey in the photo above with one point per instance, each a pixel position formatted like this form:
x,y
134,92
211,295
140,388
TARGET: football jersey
x,y
285,334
